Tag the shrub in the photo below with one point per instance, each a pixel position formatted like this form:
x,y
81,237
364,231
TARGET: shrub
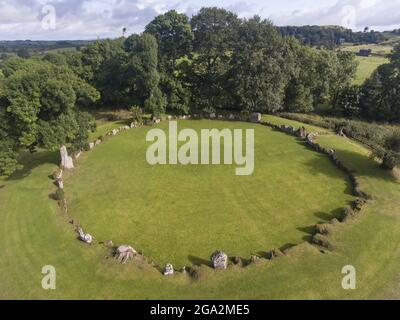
x,y
137,114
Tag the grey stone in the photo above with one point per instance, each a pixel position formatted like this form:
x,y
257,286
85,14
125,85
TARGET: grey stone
x,y
85,237
256,117
125,253
219,260
168,270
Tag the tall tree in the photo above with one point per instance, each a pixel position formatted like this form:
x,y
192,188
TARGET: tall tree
x,y
260,66
142,74
215,33
174,37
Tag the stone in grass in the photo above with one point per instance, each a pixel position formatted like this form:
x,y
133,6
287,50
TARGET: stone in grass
x,y
322,240
301,132
109,244
58,174
87,238
77,155
168,270
219,260
275,253
256,117
124,253
324,228
91,145
60,184
255,259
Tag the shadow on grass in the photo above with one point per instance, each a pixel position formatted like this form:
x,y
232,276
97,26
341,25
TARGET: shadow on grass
x,y
199,261
31,161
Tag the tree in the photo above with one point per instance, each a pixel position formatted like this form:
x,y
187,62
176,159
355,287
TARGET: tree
x,y
389,152
260,67
215,32
174,37
348,101
142,75
39,107
380,100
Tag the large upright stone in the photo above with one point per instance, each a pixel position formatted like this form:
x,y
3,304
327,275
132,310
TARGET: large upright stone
x,y
256,117
66,160
219,260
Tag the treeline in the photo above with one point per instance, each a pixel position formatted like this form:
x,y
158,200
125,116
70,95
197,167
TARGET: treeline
x,y
330,36
39,46
213,61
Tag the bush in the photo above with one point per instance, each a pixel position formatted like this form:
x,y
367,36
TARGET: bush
x,y
137,114
370,134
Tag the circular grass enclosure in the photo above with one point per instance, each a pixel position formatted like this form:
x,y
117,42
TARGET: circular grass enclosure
x,y
181,214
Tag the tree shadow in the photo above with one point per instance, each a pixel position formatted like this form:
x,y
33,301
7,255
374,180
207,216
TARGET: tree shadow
x,y
31,161
199,261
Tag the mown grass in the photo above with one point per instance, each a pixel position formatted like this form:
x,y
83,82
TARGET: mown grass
x,y
34,233
181,214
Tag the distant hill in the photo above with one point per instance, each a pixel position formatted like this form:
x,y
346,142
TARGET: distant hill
x,y
37,47
332,36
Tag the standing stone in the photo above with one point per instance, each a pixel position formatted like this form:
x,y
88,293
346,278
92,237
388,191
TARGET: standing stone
x,y
91,145
168,270
301,132
66,160
219,260
256,117
212,116
60,184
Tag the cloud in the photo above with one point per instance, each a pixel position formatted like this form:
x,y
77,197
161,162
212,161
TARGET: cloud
x,y
89,19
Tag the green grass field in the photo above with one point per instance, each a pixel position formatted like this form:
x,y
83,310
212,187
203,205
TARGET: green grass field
x,y
367,66
181,214
34,233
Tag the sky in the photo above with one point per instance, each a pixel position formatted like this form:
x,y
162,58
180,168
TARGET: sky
x,y
92,19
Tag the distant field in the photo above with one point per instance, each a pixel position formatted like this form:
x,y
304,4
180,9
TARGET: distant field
x,y
377,49
367,66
